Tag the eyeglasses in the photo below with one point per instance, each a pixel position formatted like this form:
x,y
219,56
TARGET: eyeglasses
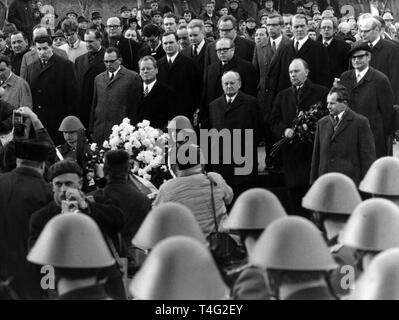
x,y
68,35
326,28
365,31
226,30
113,26
110,61
360,56
223,50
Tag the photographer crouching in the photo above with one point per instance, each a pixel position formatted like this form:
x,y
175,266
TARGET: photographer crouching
x,y
23,120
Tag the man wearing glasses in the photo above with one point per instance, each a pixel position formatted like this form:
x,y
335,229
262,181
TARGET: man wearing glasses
x,y
227,27
74,46
370,95
116,94
337,49
128,48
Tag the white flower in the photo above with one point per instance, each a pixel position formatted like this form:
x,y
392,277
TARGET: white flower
x,y
105,144
128,147
93,147
146,143
126,120
144,123
114,142
305,127
147,177
115,128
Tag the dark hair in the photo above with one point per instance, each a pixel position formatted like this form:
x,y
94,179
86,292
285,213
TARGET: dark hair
x,y
170,15
228,18
341,91
69,25
169,33
150,30
5,59
276,15
116,164
14,33
113,49
43,39
329,19
97,33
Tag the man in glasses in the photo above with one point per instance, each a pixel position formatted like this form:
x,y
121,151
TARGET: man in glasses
x,y
74,46
116,94
227,27
370,95
182,35
128,48
153,46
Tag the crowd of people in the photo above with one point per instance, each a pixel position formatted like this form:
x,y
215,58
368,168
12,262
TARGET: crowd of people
x,y
316,89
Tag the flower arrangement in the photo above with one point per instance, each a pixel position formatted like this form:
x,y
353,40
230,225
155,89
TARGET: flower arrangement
x,y
304,127
144,145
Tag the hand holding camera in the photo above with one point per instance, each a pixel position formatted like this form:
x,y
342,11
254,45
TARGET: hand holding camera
x,y
75,201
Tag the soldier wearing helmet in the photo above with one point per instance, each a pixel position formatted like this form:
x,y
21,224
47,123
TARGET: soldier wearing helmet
x,y
332,198
372,228
74,246
73,132
296,260
252,212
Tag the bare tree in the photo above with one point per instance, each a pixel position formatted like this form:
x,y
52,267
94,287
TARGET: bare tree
x,y
84,6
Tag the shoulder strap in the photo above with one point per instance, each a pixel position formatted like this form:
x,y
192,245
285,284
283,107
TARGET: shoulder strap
x,y
213,202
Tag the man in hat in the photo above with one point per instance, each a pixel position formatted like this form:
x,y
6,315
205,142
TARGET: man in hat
x,y
370,95
59,38
209,13
20,13
250,28
73,131
67,180
87,67
153,46
74,46
124,17
133,203
267,10
97,23
208,26
17,203
146,15
236,10
156,18
82,23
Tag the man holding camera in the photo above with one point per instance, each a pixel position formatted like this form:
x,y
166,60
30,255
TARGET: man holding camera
x,y
67,179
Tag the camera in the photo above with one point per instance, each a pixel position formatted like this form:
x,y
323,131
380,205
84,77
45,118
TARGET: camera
x,y
17,118
69,206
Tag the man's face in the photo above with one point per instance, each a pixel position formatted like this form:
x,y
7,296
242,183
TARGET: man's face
x,y
231,84
187,16
299,28
169,25
62,183
97,21
125,14
83,25
147,71
134,12
152,41
226,30
44,50
360,60
154,6
59,41
311,24
4,71
170,45
208,28
250,25
287,27
366,30
312,35
223,12
72,17
263,20
327,29
182,34
334,106
147,11
233,6
18,43
71,37
131,34
268,4
111,61
157,19
114,28
260,34
92,44
195,35
71,138
209,8
298,73
273,27
224,50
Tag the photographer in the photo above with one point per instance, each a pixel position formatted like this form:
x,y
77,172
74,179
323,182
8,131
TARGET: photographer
x,y
23,120
5,115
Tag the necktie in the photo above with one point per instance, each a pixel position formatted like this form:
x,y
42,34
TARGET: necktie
x,y
170,62
44,62
335,122
326,43
229,102
146,91
371,45
297,46
111,77
358,77
274,46
298,93
91,58
195,50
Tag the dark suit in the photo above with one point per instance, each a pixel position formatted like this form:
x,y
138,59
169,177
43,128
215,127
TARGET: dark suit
x,y
337,59
385,58
129,50
113,101
145,50
183,76
349,149
243,48
244,113
86,73
313,52
156,106
373,98
54,92
198,59
213,85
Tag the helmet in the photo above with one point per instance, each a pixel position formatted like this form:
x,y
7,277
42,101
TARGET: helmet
x,y
254,209
332,193
381,279
70,123
179,268
166,220
382,177
71,240
292,243
373,226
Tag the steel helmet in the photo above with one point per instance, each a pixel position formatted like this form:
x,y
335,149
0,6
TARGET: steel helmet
x,y
71,240
166,220
179,268
381,279
70,123
254,209
332,193
292,243
382,177
373,226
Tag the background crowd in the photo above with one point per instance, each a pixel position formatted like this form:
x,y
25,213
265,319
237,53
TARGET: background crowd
x,y
318,89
